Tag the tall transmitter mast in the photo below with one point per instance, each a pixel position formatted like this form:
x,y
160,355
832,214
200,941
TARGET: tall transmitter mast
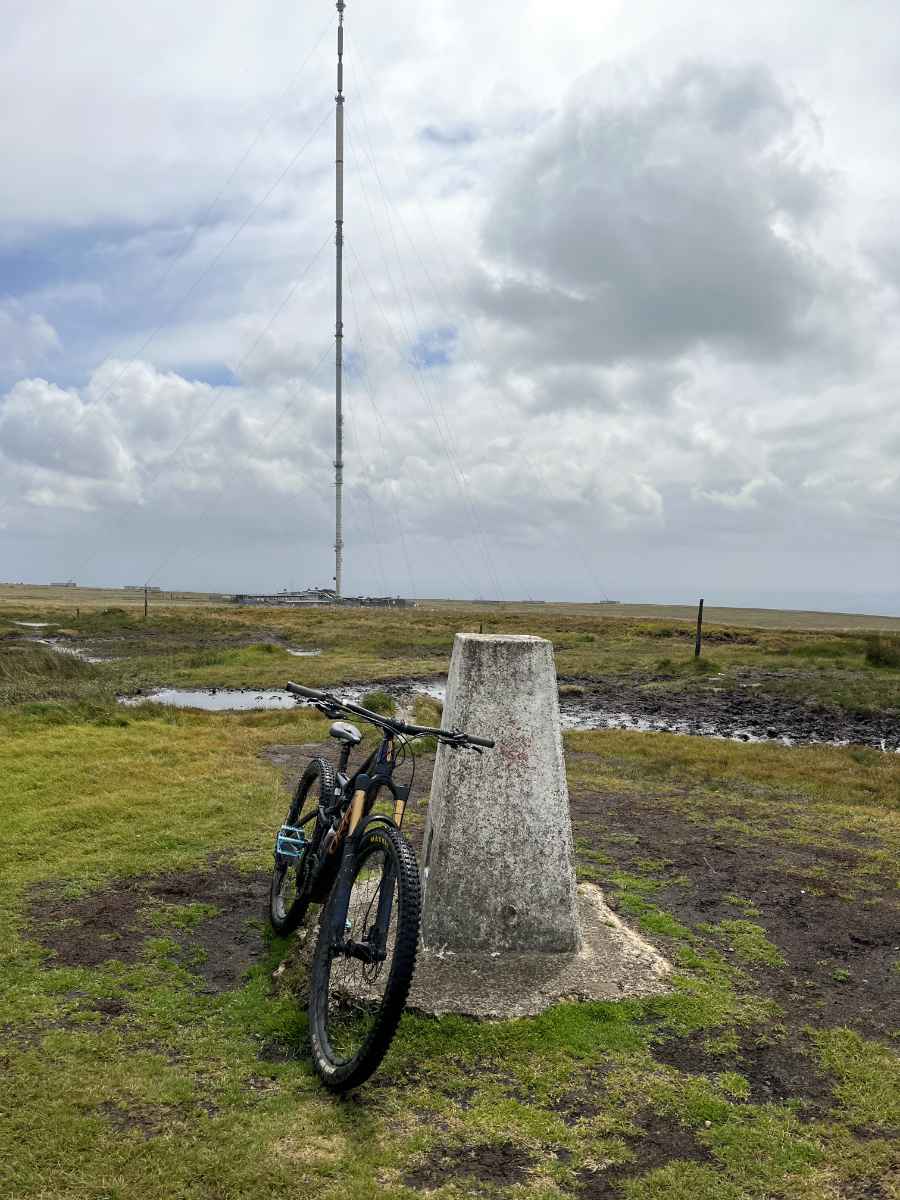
x,y
339,322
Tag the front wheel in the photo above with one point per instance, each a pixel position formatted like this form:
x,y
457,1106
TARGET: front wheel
x,y
364,960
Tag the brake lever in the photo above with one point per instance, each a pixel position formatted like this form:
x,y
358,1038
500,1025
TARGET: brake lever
x,y
459,743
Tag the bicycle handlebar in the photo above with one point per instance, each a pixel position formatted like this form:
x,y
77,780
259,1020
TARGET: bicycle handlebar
x,y
454,736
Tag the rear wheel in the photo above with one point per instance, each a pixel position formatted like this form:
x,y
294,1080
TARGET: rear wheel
x,y
364,960
288,893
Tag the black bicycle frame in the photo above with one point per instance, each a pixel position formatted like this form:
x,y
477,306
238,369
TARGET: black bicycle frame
x,y
375,773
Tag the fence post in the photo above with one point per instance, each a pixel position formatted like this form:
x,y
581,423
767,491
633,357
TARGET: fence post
x,y
698,643
145,604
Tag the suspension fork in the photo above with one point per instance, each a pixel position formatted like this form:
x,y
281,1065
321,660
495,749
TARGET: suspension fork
x,y
385,901
336,909
372,947
339,902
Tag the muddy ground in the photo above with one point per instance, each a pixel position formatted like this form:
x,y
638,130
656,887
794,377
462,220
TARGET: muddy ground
x,y
839,970
824,937
748,709
746,712
754,705
117,922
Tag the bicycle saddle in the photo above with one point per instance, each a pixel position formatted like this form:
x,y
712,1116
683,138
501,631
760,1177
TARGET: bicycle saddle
x,y
345,732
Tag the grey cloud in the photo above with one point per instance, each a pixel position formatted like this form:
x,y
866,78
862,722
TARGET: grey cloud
x,y
449,135
669,369
882,252
674,218
622,389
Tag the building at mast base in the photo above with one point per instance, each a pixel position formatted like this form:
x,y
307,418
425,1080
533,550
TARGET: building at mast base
x,y
319,598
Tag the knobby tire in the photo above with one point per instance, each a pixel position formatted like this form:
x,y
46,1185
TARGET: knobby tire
x,y
316,787
338,1073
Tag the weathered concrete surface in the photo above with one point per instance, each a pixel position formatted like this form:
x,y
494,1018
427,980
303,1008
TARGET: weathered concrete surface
x,y
613,962
498,865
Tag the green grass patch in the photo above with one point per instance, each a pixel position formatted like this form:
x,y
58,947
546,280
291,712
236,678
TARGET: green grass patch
x,y
835,648
380,702
867,1074
747,941
230,646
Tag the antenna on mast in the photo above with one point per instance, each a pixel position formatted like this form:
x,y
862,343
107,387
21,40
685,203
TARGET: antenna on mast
x,y
339,323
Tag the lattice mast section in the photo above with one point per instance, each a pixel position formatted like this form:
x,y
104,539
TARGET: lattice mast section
x,y
339,300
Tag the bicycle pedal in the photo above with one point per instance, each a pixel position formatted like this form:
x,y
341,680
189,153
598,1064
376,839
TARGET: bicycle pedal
x,y
290,842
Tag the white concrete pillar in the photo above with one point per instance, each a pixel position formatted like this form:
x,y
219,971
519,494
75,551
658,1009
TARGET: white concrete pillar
x,y
499,871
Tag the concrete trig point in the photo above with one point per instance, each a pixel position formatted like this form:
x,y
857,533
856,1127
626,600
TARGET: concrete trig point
x,y
499,863
506,930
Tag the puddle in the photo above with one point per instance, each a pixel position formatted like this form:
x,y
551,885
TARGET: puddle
x,y
215,699
302,653
33,624
573,716
575,713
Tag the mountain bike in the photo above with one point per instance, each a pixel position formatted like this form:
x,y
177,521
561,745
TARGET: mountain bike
x,y
334,849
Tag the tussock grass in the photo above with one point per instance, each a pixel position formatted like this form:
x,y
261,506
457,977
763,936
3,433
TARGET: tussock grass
x,y
37,673
380,702
834,648
882,651
20,661
428,711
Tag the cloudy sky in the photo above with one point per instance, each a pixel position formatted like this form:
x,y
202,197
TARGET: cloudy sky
x,y
622,298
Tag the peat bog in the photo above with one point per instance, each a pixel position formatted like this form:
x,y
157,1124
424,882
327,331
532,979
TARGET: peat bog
x,y
151,1046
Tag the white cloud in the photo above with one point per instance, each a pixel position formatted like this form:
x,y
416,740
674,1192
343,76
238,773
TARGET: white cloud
x,y
27,338
667,296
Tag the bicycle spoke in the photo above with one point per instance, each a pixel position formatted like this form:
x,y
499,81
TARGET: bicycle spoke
x,y
356,988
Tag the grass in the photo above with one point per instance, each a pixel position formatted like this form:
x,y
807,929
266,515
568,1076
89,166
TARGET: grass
x,y
747,940
882,651
380,702
227,646
30,672
130,1078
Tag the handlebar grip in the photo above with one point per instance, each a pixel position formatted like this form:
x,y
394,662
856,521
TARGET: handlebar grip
x,y
310,693
476,741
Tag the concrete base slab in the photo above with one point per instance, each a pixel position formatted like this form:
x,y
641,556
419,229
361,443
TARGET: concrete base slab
x,y
613,963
